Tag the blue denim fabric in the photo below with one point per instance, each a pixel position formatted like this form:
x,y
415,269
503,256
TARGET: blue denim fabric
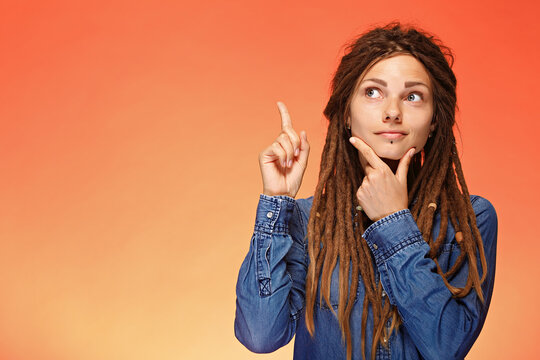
x,y
270,288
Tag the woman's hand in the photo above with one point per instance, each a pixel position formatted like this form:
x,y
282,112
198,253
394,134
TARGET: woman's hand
x,y
382,192
284,162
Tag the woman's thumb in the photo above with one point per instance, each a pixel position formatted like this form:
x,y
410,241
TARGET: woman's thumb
x,y
304,148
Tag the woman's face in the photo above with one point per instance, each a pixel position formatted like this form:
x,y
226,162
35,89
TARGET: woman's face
x,y
392,107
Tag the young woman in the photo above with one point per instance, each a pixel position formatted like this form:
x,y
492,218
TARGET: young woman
x,y
391,258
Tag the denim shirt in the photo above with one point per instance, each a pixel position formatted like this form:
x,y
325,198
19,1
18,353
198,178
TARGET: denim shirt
x,y
271,287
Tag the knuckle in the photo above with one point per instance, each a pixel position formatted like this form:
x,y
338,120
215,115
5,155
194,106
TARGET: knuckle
x,y
277,148
288,143
293,135
285,138
286,146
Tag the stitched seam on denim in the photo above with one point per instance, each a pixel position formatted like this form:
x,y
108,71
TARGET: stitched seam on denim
x,y
324,305
300,222
388,219
267,256
265,283
266,228
265,288
304,231
297,314
387,253
262,273
387,286
448,248
275,199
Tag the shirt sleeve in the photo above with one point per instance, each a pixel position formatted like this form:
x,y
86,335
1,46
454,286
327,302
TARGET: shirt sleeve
x,y
441,326
270,288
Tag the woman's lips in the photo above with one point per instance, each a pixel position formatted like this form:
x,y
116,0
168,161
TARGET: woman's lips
x,y
391,135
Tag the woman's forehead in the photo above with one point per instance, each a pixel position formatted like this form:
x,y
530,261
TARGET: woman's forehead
x,y
403,67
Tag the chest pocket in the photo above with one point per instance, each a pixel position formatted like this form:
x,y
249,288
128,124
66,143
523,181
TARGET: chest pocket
x,y
448,255
334,290
447,258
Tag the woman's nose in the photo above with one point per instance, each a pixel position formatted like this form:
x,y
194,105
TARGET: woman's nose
x,y
392,112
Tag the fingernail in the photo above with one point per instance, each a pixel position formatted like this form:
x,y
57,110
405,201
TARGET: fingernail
x,y
351,139
296,152
411,154
290,163
283,163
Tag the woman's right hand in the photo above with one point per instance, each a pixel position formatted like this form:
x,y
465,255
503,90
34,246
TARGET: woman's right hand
x,y
284,162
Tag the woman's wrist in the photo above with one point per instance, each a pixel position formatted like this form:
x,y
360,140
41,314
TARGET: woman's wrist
x,y
270,193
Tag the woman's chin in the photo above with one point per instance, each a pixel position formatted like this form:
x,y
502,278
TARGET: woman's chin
x,y
390,155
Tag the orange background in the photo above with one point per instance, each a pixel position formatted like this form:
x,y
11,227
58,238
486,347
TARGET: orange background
x,y
128,158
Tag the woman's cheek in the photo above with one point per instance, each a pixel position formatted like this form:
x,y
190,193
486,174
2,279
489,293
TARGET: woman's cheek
x,y
421,140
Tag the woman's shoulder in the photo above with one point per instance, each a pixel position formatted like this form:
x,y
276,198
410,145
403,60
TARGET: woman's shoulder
x,y
486,220
482,206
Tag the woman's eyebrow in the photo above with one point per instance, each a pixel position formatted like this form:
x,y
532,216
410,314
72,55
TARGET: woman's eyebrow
x,y
407,83
413,83
382,82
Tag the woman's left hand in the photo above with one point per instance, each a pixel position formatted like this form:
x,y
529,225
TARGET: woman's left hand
x,y
382,192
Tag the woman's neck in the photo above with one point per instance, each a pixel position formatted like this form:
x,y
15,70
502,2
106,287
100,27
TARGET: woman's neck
x,y
393,164
414,169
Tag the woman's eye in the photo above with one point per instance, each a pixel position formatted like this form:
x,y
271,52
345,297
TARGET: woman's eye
x,y
370,92
411,97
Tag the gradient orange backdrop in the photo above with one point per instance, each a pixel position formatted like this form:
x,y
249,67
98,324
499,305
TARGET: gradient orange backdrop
x,y
128,158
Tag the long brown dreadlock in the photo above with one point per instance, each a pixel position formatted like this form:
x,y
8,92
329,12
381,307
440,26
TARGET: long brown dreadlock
x,y
435,176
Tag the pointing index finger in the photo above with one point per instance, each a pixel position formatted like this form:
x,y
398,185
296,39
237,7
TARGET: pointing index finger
x,y
367,153
285,118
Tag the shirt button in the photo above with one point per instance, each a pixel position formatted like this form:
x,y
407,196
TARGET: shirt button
x,y
375,246
269,214
383,294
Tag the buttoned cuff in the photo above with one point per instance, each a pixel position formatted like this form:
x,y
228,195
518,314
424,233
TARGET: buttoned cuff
x,y
274,213
392,233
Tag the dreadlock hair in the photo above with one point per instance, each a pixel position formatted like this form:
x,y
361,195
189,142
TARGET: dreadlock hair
x,y
435,176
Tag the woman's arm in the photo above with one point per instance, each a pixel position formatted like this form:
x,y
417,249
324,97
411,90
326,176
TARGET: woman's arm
x,y
270,287
440,325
